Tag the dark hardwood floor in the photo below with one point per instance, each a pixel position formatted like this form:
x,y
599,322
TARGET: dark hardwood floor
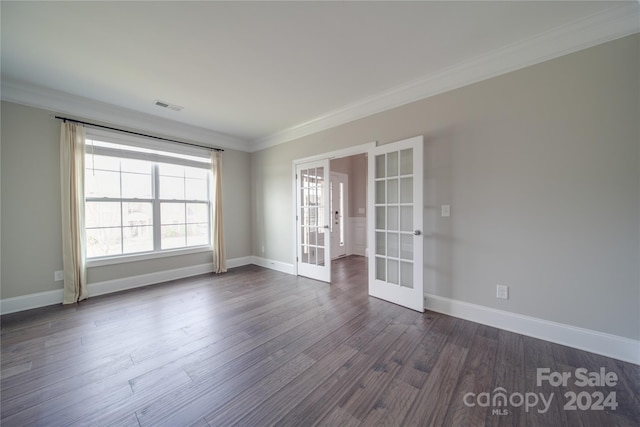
x,y
255,347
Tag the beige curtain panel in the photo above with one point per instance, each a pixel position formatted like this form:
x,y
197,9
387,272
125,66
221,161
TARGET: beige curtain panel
x,y
217,233
73,235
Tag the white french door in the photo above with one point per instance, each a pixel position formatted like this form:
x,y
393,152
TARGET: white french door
x,y
313,254
395,223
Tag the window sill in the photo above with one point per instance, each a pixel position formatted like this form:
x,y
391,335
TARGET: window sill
x,y
121,259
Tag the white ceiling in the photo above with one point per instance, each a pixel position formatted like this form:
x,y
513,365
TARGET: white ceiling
x,y
265,72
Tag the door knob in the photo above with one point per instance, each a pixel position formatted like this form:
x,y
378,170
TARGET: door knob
x,y
417,232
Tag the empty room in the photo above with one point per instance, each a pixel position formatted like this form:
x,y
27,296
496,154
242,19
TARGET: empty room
x,y
326,213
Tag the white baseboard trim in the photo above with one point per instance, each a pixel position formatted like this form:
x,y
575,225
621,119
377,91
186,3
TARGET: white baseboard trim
x,y
117,285
43,299
27,302
614,346
274,265
239,262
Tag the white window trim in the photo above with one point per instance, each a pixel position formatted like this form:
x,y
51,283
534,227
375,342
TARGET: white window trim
x,y
95,134
151,144
121,259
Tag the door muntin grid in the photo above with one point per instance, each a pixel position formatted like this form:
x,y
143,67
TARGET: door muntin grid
x,y
312,216
393,218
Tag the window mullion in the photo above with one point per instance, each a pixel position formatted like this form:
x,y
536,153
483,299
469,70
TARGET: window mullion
x,y
210,204
121,215
156,208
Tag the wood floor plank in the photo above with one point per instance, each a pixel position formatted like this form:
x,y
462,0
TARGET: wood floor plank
x,y
431,405
229,374
509,375
364,394
322,400
277,405
257,347
476,377
393,406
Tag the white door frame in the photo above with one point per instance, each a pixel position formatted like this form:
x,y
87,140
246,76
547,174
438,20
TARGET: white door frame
x,y
345,152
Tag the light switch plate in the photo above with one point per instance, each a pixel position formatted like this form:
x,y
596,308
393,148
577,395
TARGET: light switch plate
x,y
445,210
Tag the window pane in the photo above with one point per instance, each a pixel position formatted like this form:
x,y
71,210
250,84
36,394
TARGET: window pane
x,y
197,212
392,166
381,270
380,244
197,173
406,190
103,241
392,244
172,213
101,162
167,169
406,218
392,191
406,246
197,234
380,166
138,166
392,218
136,186
102,214
406,274
392,273
380,189
137,239
380,218
406,161
171,188
313,216
102,183
172,236
196,189
137,214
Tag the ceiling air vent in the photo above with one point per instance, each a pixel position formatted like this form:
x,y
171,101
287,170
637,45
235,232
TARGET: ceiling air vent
x,y
167,105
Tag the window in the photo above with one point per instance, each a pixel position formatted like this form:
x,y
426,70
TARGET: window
x,y
140,199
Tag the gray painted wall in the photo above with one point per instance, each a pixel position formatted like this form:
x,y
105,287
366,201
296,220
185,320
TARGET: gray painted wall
x,y
541,168
31,235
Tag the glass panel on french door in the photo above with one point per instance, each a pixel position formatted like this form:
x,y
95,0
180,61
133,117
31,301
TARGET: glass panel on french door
x,y
393,218
312,220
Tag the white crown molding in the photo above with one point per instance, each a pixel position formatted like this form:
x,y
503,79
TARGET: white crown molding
x,y
599,28
89,109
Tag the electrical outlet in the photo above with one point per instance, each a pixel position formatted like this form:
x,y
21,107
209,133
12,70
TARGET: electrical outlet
x,y
502,292
58,276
